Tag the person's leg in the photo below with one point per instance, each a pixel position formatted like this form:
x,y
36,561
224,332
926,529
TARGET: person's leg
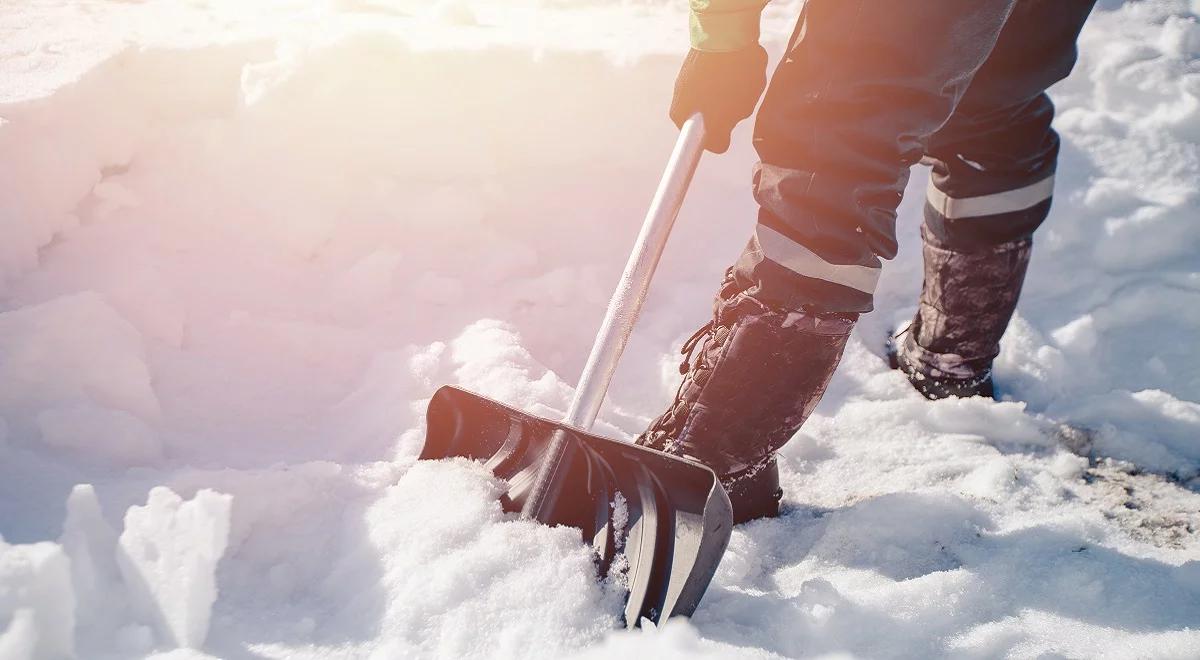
x,y
991,187
862,86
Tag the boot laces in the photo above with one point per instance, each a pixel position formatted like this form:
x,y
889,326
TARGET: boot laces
x,y
690,345
666,427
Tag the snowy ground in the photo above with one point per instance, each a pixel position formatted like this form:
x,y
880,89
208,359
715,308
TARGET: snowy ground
x,y
240,246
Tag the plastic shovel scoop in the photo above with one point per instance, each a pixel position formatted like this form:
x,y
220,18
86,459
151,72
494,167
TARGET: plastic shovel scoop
x,y
658,524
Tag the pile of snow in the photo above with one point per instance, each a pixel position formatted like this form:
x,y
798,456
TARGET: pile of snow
x,y
37,601
154,585
232,273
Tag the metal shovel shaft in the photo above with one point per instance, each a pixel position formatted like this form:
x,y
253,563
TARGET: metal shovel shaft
x,y
626,303
623,310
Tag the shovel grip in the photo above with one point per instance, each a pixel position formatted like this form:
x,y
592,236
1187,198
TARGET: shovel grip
x,y
623,310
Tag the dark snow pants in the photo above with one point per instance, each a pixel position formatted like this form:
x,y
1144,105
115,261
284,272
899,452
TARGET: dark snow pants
x,y
870,87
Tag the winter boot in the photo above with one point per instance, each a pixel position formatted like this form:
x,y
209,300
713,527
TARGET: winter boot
x,y
751,376
967,301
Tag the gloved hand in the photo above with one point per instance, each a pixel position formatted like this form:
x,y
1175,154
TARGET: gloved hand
x,y
724,87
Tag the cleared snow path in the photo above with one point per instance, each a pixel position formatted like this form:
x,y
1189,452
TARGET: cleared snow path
x,y
232,272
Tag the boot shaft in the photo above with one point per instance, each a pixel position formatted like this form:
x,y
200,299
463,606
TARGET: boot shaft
x,y
967,301
751,377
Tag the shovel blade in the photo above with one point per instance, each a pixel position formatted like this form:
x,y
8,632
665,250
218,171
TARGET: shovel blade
x,y
658,524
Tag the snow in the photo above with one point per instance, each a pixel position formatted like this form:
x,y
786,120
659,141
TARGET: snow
x,y
91,544
473,584
36,600
244,242
71,351
168,556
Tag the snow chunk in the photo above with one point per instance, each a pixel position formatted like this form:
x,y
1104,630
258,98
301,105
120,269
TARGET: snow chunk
x,y
1068,466
89,430
20,640
91,544
168,557
37,601
74,350
526,588
1035,371
493,362
993,480
1078,337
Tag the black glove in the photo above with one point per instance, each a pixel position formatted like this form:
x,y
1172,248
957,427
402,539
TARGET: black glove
x,y
724,87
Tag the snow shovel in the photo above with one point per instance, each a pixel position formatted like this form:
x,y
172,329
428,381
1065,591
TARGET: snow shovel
x,y
658,524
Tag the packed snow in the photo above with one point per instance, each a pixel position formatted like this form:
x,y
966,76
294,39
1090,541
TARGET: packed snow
x,y
242,243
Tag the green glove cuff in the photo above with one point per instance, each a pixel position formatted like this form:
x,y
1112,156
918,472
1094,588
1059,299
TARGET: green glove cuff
x,y
726,30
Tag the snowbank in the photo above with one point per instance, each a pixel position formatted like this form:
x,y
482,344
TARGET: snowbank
x,y
232,273
36,600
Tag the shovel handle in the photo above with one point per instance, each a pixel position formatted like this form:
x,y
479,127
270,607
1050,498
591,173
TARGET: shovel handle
x,y
626,302
623,310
